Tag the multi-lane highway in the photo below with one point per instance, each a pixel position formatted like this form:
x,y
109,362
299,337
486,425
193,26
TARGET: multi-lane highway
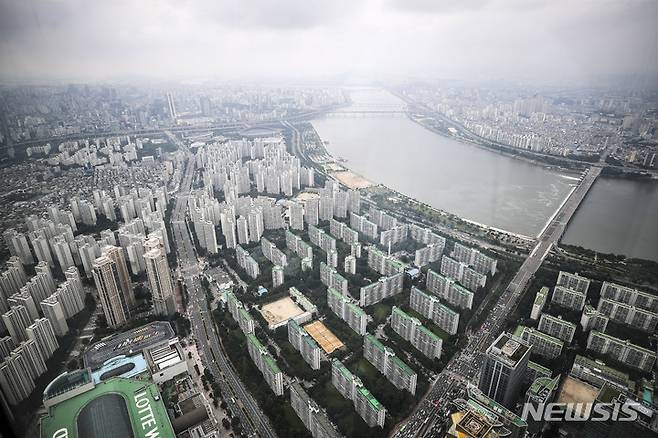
x,y
241,402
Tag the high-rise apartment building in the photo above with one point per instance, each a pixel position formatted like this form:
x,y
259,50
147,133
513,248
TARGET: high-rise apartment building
x,y
390,365
113,286
160,281
431,307
304,343
351,387
412,330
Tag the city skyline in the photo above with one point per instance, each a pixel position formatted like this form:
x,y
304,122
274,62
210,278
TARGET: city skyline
x,y
406,219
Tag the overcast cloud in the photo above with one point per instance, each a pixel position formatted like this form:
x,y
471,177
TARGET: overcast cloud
x,y
327,40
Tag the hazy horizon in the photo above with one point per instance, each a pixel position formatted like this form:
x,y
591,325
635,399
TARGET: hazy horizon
x,y
338,41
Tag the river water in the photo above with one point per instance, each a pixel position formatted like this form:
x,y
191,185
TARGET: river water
x,y
482,185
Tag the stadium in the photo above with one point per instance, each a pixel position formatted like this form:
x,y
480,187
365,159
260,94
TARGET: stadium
x,y
118,407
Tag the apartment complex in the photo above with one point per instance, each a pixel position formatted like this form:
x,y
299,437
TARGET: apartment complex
x,y
592,319
363,226
384,264
114,286
313,417
343,232
461,272
297,245
630,296
383,220
557,327
272,253
321,239
542,344
239,313
428,254
623,313
569,298
393,235
482,263
247,262
573,282
160,281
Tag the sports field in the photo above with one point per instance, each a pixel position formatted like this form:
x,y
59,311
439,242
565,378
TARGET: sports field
x,y
323,336
280,311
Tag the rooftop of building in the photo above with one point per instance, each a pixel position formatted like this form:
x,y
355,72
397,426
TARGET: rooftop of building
x,y
520,330
472,425
623,341
542,383
599,365
128,343
492,407
371,398
110,409
509,348
540,298
539,368
66,382
121,366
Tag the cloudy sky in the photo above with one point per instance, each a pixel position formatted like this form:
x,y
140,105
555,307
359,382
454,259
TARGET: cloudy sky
x,y
327,40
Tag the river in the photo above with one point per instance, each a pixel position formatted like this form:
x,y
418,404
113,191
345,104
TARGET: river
x,y
485,186
618,216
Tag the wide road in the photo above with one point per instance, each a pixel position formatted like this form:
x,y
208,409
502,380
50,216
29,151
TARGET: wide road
x,y
241,402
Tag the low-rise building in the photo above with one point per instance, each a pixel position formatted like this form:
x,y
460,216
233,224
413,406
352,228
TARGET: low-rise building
x,y
539,303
